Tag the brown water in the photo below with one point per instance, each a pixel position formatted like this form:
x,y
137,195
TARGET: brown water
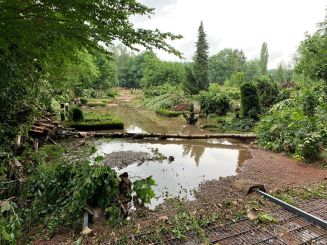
x,y
139,120
195,161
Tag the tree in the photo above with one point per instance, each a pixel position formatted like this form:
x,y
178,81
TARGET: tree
x,y
226,63
30,34
312,56
280,75
250,101
201,60
264,58
252,70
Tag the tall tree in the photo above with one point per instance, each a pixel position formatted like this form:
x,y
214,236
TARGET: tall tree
x,y
201,60
264,58
226,63
31,31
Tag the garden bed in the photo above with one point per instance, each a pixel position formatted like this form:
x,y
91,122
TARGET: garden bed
x,y
114,123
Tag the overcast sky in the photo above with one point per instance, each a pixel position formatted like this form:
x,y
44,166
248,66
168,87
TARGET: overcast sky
x,y
242,24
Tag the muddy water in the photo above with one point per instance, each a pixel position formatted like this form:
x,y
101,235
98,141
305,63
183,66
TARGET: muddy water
x,y
195,161
139,120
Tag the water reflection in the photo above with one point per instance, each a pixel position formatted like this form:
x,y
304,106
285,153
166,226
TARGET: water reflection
x,y
195,161
139,120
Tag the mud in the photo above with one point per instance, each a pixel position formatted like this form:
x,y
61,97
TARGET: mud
x,y
122,159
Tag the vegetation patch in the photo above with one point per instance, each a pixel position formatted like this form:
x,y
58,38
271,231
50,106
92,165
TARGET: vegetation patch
x,y
114,123
168,113
97,104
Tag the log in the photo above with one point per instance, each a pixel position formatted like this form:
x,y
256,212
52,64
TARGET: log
x,y
177,136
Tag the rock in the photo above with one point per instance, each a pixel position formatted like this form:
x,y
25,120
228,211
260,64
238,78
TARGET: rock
x,y
171,158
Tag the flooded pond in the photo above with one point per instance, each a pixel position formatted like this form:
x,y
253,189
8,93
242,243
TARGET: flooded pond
x,y
194,161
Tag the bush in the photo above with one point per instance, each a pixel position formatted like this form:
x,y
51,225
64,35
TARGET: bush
x,y
288,127
83,101
59,192
268,91
112,94
168,113
75,114
214,103
310,103
250,102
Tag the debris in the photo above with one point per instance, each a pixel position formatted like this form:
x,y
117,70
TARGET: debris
x,y
171,158
252,214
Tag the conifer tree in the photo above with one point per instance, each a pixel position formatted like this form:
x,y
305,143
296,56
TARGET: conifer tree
x,y
264,58
201,60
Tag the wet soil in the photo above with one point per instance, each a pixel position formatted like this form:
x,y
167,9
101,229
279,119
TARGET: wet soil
x,y
121,159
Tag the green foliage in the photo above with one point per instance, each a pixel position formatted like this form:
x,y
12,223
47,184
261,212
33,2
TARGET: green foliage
x,y
75,114
264,218
59,192
84,101
164,97
312,60
252,70
168,113
267,90
263,62
49,47
96,104
200,68
250,101
214,103
107,124
143,189
310,103
224,64
287,127
10,223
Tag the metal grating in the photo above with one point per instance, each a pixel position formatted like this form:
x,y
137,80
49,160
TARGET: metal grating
x,y
246,232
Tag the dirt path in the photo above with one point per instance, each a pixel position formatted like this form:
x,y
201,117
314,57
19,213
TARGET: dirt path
x,y
125,95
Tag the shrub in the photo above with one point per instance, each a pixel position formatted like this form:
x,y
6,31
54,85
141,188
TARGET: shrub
x,y
267,90
61,191
75,114
250,102
310,103
112,94
214,103
288,128
83,101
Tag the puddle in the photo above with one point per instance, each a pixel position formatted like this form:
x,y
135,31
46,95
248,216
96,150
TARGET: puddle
x,y
195,161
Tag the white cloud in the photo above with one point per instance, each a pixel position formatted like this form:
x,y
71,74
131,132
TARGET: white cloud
x,y
237,24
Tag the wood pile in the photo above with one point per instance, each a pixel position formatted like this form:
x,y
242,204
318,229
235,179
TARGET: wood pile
x,y
44,127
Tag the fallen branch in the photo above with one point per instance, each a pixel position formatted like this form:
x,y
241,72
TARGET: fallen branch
x,y
177,136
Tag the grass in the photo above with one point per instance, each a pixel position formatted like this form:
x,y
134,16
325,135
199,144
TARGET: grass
x,y
115,123
97,121
96,104
168,113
